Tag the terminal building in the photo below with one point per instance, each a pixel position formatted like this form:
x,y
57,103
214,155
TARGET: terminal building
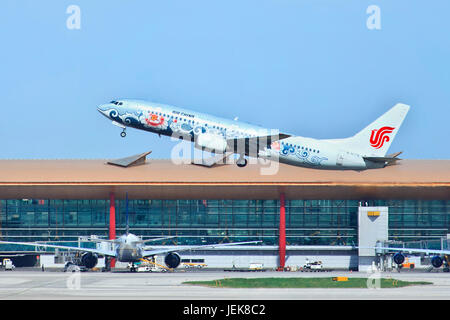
x,y
298,214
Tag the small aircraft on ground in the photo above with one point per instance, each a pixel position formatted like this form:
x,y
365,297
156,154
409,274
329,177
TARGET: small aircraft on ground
x,y
130,248
440,257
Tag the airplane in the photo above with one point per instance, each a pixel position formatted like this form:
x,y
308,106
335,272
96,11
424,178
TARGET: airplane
x,y
130,248
440,257
365,150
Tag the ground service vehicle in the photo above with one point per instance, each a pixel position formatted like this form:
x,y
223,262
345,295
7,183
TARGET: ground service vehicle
x,y
7,264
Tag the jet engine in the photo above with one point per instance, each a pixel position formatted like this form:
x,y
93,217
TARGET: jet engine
x,y
399,258
89,260
172,260
437,261
211,142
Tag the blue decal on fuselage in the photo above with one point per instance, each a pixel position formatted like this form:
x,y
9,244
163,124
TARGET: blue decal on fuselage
x,y
301,154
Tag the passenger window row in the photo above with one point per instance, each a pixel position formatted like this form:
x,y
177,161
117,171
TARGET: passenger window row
x,y
299,147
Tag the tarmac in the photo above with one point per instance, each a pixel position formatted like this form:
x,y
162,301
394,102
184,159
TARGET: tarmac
x,y
48,285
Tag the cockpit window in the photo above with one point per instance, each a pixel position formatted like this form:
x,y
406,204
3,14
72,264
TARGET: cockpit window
x,y
120,103
116,103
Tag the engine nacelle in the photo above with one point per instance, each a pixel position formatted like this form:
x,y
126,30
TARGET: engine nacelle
x,y
399,258
437,261
172,260
211,141
89,260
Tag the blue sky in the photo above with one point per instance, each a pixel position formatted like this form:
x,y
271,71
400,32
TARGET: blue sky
x,y
310,68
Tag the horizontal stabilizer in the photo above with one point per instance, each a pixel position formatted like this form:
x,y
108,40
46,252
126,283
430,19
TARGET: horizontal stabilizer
x,y
390,158
394,155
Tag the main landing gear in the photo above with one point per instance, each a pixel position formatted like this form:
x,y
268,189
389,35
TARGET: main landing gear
x,y
242,162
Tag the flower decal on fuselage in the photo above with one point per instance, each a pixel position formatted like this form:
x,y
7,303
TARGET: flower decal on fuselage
x,y
154,120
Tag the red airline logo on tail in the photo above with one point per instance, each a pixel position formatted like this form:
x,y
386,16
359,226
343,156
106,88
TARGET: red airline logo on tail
x,y
380,136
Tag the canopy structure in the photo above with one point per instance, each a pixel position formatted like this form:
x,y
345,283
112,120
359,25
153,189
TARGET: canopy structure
x,y
164,179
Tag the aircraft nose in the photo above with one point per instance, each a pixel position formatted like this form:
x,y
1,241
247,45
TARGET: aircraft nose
x,y
101,108
104,109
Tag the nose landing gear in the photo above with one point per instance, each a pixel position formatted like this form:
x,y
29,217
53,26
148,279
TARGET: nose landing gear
x,y
132,267
123,134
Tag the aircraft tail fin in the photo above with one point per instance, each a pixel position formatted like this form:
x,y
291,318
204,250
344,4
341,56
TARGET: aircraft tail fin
x,y
375,139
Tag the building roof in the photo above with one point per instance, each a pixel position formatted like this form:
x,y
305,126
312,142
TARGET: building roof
x,y
162,179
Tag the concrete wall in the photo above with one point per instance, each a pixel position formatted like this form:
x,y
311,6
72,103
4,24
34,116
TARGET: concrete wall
x,y
333,259
372,227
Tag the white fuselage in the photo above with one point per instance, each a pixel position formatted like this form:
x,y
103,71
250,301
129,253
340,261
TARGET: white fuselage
x,y
314,153
128,248
213,133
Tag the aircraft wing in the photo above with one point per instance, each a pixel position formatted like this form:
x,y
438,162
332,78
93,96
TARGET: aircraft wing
x,y
34,244
102,240
153,252
255,143
154,239
13,255
412,250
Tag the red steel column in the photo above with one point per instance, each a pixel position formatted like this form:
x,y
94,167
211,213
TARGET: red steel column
x,y
282,236
112,221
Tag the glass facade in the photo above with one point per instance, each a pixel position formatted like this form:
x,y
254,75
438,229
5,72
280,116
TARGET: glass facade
x,y
308,222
